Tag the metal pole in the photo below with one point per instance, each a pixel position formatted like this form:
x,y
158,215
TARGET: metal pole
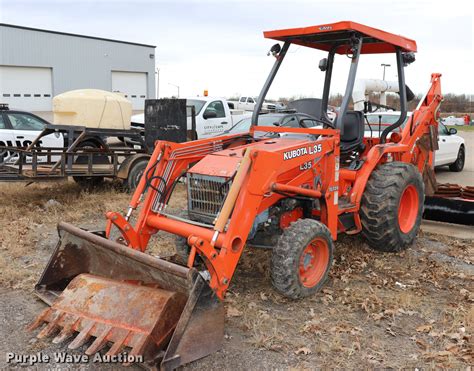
x,y
157,83
349,86
268,83
176,86
384,65
403,97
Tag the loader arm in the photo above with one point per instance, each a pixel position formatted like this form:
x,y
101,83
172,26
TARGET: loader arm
x,y
270,164
167,165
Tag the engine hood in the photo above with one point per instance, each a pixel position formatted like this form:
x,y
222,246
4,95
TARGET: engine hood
x,y
224,163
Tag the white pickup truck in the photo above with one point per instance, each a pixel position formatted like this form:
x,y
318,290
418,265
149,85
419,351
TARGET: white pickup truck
x,y
248,104
213,116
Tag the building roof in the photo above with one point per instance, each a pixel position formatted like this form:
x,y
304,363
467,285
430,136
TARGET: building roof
x,y
75,35
325,36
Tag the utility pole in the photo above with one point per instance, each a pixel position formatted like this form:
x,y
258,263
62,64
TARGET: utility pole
x,y
176,86
157,73
384,65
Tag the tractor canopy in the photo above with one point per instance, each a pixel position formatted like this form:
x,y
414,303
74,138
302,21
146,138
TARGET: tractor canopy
x,y
327,36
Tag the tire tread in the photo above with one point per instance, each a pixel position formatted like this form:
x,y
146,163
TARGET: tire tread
x,y
286,254
379,206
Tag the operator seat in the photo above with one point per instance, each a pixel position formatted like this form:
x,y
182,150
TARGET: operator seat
x,y
351,140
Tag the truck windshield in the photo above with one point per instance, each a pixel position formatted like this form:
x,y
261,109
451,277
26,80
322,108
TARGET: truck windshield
x,y
263,120
198,104
385,120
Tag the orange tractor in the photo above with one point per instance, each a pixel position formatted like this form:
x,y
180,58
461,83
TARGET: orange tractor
x,y
291,189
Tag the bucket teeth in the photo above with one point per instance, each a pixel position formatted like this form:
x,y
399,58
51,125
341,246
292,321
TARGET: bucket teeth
x,y
51,327
65,334
118,345
99,342
39,320
140,345
82,337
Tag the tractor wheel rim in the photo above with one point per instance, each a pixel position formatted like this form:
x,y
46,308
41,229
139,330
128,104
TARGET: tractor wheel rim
x,y
408,209
313,262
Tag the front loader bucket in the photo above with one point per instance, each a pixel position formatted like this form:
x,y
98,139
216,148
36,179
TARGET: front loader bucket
x,y
159,312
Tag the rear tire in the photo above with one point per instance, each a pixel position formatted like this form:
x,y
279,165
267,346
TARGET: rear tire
x,y
302,258
392,206
458,165
135,174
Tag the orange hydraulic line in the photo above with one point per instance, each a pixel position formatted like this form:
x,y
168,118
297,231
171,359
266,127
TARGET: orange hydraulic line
x,y
298,190
183,229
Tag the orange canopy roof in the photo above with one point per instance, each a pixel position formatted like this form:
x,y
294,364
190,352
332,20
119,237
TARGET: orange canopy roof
x,y
325,36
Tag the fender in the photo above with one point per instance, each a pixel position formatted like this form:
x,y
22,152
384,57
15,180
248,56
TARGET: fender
x,y
129,162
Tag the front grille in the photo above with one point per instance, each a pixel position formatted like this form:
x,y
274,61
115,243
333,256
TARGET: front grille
x,y
206,195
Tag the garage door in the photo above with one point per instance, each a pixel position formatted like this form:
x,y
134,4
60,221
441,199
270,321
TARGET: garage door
x,y
26,88
133,85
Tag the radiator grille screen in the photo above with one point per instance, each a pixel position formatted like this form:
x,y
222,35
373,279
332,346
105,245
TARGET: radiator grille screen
x,y
206,195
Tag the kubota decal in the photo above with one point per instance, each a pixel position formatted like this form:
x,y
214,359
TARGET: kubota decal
x,y
302,151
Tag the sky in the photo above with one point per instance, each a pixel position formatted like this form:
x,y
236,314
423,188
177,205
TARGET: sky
x,y
219,46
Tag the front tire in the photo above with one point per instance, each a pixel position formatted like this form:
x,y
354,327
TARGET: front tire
x,y
392,206
458,165
302,258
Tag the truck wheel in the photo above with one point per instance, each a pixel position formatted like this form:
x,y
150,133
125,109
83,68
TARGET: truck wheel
x,y
302,258
392,206
458,165
135,174
91,181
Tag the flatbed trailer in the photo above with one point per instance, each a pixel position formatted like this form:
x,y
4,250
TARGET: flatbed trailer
x,y
87,156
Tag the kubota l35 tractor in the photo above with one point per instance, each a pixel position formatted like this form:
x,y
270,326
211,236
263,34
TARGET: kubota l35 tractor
x,y
291,189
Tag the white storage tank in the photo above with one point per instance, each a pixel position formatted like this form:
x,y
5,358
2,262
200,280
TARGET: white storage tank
x,y
92,108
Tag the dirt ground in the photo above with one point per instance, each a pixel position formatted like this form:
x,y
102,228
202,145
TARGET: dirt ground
x,y
410,309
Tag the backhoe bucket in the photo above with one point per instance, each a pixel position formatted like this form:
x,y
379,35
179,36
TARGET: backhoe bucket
x,y
158,312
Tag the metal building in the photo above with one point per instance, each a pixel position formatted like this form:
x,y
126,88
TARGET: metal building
x,y
36,65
